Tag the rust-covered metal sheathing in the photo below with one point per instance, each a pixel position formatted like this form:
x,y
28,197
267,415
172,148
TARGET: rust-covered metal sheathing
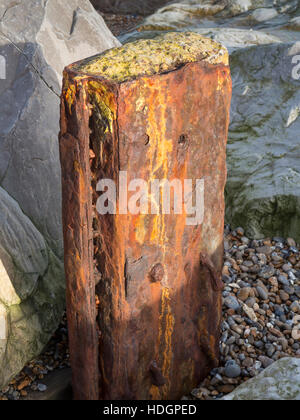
x,y
154,332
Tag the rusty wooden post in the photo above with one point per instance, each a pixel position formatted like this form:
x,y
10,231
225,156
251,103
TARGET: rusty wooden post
x,y
153,109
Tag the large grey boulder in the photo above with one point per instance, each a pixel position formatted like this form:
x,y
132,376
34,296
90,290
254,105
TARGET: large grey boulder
x,y
244,14
37,39
263,193
31,289
279,382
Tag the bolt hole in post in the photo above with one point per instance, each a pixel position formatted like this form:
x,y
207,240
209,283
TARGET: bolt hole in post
x,y
147,140
183,139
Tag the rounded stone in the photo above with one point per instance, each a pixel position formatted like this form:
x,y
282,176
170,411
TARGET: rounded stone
x,y
243,293
295,307
262,293
250,302
283,280
291,242
284,296
264,14
231,302
42,387
232,369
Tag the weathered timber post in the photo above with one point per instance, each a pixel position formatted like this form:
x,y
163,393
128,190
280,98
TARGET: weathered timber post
x,y
144,290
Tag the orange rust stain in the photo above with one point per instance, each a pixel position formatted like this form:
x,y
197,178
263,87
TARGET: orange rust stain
x,y
155,393
165,337
158,154
223,79
82,183
140,227
70,95
160,149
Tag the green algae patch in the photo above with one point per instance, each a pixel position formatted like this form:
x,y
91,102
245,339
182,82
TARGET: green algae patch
x,y
159,55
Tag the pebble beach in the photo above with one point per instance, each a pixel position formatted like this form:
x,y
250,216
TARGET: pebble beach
x,y
260,309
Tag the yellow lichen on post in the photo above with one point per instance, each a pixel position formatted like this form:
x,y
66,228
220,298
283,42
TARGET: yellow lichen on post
x,y
154,56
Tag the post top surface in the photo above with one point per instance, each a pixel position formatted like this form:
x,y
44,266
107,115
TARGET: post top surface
x,y
154,56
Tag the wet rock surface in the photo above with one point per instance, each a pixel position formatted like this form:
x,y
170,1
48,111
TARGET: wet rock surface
x,y
281,381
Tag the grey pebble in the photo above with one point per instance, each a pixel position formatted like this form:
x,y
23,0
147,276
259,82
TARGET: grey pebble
x,y
41,387
262,293
232,369
231,302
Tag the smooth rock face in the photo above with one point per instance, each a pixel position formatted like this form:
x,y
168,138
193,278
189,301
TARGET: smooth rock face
x,y
229,14
280,381
261,15
37,39
143,7
262,192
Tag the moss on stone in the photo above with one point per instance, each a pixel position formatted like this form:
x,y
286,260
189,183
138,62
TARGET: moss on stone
x,y
159,55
